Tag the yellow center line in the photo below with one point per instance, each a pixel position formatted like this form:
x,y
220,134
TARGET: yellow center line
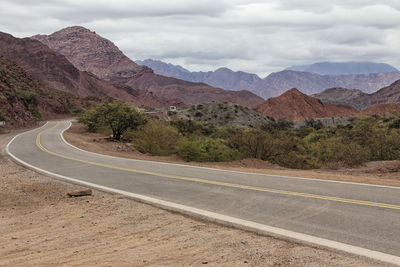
x,y
225,184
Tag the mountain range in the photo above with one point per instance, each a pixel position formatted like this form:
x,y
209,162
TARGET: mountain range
x,y
277,83
90,52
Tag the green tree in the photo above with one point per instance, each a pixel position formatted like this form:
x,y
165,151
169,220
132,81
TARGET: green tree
x,y
117,115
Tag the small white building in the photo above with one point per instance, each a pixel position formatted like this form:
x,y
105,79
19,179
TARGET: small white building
x,y
172,108
2,123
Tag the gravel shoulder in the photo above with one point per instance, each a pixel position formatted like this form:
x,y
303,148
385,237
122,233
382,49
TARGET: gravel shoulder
x,y
40,225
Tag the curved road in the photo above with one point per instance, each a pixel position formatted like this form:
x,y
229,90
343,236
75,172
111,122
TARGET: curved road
x,y
367,217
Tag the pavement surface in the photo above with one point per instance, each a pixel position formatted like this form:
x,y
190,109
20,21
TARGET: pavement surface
x,y
365,216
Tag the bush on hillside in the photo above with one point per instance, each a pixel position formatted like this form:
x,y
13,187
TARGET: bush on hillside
x,y
206,150
156,138
189,127
31,102
4,117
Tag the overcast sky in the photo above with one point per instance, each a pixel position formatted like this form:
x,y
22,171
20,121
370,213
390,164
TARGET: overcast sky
x,y
249,35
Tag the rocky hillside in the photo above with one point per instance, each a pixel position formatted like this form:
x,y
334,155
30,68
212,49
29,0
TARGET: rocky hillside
x,y
276,83
23,99
341,96
296,106
53,69
225,114
77,45
90,52
344,68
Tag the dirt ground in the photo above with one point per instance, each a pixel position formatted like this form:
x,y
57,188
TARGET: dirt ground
x,y
41,226
378,172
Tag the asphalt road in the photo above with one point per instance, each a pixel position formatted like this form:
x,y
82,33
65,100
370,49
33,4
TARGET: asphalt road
x,y
365,216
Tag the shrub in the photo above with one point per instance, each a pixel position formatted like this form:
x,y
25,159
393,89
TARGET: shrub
x,y
206,149
77,110
251,143
341,150
31,102
189,127
4,117
277,147
295,160
316,124
395,124
276,125
155,138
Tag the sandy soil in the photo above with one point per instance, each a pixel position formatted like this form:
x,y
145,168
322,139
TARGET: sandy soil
x,y
41,226
379,172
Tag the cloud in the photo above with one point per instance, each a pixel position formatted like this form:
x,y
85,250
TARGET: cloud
x,y
250,35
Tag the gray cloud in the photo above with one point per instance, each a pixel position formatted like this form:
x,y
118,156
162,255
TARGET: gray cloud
x,y
250,35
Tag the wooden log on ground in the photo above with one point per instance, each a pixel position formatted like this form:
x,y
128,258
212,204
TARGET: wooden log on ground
x,y
82,193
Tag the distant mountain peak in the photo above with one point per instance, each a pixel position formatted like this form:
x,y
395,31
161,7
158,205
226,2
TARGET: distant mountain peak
x,y
344,68
75,29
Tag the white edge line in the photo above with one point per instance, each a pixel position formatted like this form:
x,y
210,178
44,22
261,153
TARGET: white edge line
x,y
224,219
221,170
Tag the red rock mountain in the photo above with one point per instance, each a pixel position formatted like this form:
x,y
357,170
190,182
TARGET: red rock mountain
x,y
296,106
91,52
55,71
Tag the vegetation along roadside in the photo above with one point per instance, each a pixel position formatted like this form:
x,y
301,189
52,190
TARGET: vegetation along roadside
x,y
310,147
